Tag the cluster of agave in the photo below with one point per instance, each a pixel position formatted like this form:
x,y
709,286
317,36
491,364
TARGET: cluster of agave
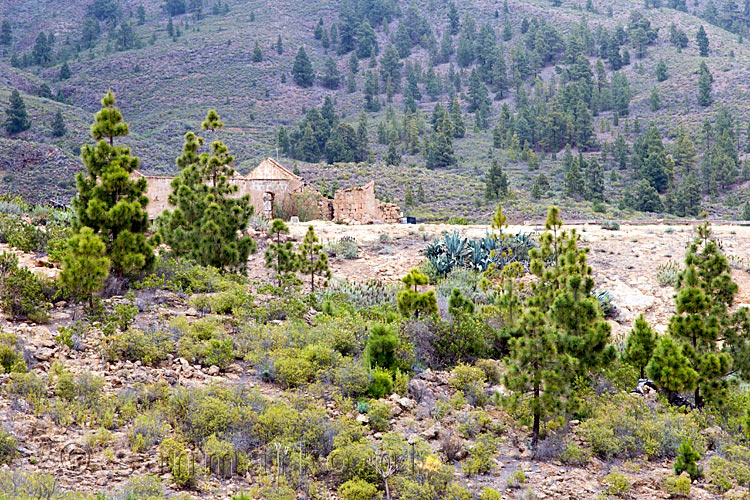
x,y
454,250
605,302
369,293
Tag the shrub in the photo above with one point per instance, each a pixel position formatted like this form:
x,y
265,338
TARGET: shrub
x,y
379,416
490,494
667,274
293,371
381,384
147,431
678,486
203,341
351,377
572,454
223,458
516,479
470,381
136,345
733,469
11,359
146,486
8,448
616,483
30,387
610,225
627,426
23,296
481,455
357,489
181,464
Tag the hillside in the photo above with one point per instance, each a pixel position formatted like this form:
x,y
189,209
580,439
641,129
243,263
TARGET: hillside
x,y
165,85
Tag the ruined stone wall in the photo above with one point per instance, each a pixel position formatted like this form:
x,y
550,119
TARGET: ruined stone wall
x,y
358,205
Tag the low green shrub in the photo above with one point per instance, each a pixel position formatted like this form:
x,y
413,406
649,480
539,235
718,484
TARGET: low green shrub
x,y
357,489
147,431
628,426
381,384
23,296
148,347
732,469
481,455
185,472
667,274
678,486
8,448
616,483
203,341
293,371
30,387
610,225
11,358
516,479
379,416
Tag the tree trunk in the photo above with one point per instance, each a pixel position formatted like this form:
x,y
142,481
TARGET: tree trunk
x,y
537,416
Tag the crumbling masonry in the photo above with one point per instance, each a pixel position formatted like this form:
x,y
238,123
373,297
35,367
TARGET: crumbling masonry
x,y
276,192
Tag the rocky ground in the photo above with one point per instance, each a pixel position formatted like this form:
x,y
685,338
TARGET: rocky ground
x,y
625,263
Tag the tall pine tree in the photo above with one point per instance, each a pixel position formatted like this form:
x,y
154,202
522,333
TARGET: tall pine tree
x,y
109,200
208,221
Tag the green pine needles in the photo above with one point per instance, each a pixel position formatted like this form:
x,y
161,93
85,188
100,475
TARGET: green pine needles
x,y
561,334
109,200
209,220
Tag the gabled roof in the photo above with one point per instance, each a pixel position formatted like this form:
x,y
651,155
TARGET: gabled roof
x,y
271,169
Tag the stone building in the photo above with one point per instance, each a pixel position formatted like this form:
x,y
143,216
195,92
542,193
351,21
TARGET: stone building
x,y
276,192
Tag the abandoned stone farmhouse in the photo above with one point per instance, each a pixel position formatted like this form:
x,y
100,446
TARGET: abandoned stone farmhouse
x,y
277,192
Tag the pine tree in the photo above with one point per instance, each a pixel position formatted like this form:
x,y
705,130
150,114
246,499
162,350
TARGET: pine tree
x,y
496,183
65,71
17,120
312,260
705,82
457,120
647,198
58,125
41,54
661,71
85,266
302,69
686,460
331,78
640,344
412,302
409,196
393,157
6,33
654,100
279,45
109,202
702,40
208,220
705,291
594,181
540,187
684,156
669,367
257,53
573,181
283,141
281,257
170,27
746,211
141,13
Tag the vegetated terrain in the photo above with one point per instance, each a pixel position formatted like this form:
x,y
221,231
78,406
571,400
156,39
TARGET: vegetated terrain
x,y
197,384
166,83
